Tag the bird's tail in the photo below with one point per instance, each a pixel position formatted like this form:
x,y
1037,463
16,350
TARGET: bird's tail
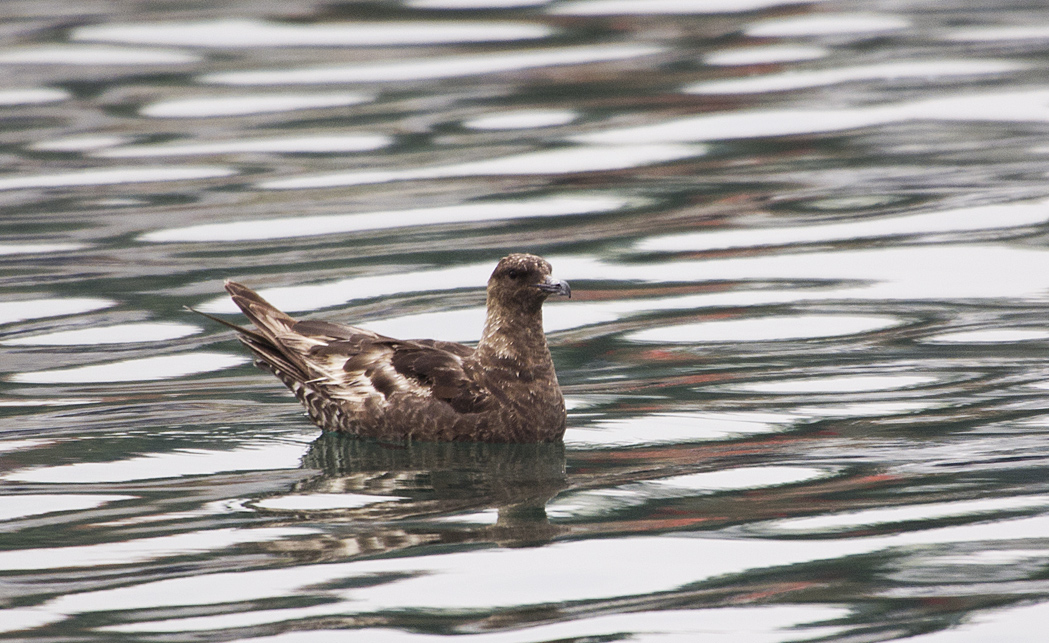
x,y
264,343
266,317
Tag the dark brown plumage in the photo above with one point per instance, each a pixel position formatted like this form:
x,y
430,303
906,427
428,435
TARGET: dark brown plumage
x,y
360,382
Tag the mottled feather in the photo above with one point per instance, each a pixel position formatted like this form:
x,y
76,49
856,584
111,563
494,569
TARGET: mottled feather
x,y
355,380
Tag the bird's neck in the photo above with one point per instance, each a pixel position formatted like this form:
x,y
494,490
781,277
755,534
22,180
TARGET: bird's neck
x,y
515,336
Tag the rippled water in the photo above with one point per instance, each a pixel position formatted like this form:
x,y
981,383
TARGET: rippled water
x,y
806,362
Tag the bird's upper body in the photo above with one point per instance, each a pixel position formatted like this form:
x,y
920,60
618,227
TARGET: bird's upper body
x,y
354,380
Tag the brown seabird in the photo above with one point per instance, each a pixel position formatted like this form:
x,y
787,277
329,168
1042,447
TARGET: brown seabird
x,y
357,381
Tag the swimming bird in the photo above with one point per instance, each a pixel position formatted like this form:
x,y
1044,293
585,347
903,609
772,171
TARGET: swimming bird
x,y
357,381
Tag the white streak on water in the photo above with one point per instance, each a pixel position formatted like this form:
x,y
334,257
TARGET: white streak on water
x,y
134,370
117,334
246,104
989,336
921,69
15,311
32,96
880,517
433,68
738,478
569,160
838,384
997,34
130,552
829,24
37,248
246,33
1018,106
322,501
113,176
25,618
21,506
666,7
177,464
89,55
79,143
318,144
766,329
989,217
675,428
305,226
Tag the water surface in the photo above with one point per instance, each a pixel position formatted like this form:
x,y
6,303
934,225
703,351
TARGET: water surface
x,y
805,360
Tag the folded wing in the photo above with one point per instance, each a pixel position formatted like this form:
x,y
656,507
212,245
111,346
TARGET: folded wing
x,y
357,369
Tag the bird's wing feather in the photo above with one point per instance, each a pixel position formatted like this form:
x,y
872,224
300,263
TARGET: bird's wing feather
x,y
376,364
353,364
440,368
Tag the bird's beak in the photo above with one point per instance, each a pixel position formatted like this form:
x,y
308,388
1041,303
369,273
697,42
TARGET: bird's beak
x,y
556,287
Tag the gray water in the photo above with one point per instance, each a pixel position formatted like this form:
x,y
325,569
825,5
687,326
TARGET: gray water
x,y
807,360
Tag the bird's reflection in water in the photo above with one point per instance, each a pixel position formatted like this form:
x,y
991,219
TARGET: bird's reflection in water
x,y
408,485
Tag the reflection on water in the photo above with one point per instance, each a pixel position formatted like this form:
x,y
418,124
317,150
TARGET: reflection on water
x,y
829,24
296,145
94,55
613,7
247,33
119,334
26,309
112,176
31,95
433,68
516,480
299,226
804,361
992,217
133,370
247,104
572,160
799,80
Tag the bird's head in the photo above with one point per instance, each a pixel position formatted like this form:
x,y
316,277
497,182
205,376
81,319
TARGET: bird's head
x,y
524,280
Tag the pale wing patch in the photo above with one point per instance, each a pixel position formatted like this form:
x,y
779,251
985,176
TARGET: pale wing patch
x,y
354,378
298,342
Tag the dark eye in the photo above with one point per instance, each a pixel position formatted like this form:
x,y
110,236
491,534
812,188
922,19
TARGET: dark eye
x,y
513,273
